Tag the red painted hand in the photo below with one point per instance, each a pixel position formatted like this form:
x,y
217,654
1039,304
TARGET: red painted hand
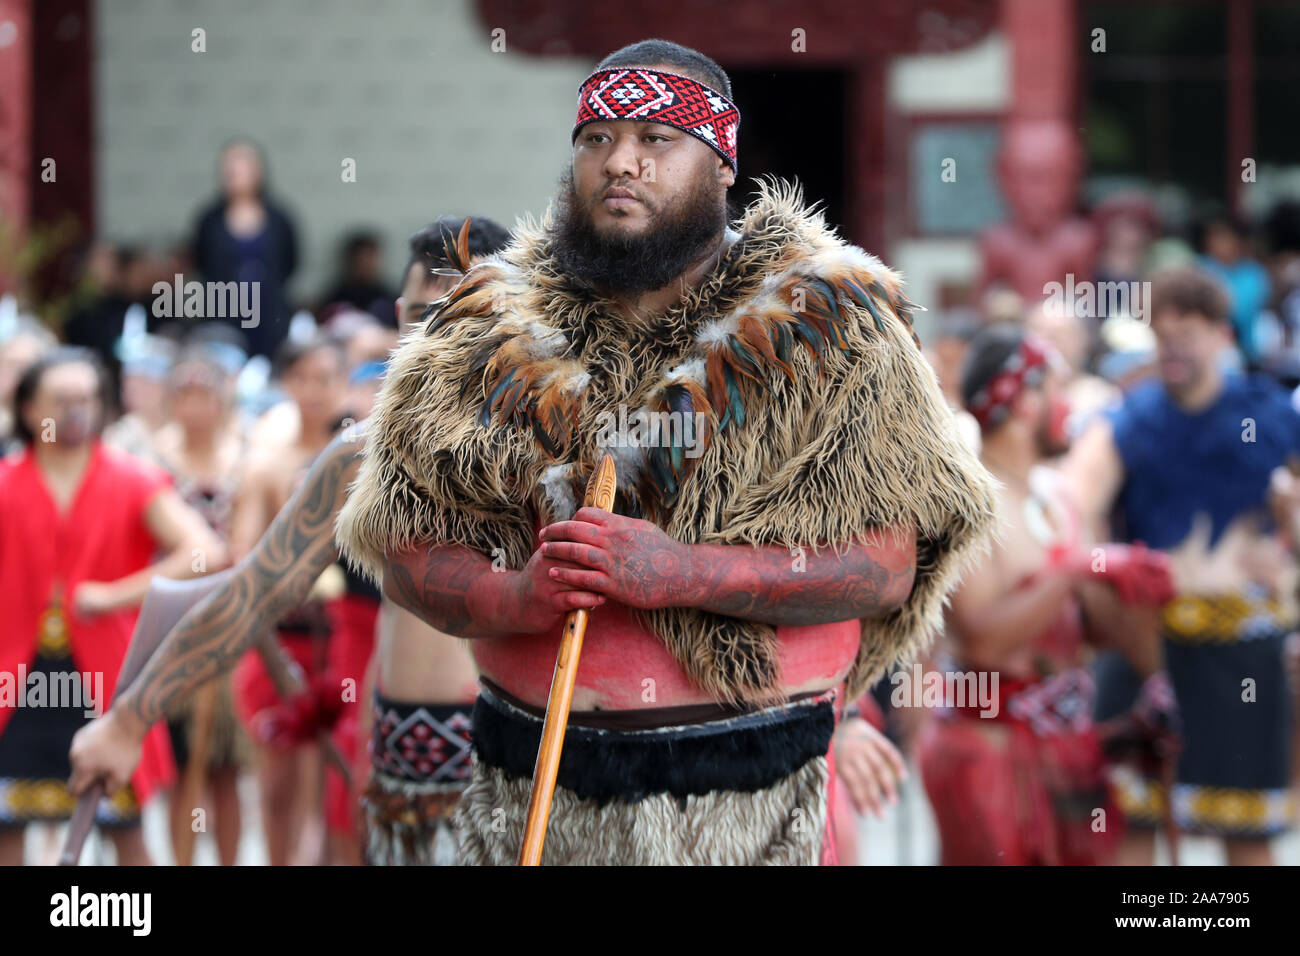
x,y
543,598
625,559
460,591
1140,576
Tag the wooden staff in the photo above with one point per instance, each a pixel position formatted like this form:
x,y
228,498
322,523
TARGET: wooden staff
x,y
600,494
167,602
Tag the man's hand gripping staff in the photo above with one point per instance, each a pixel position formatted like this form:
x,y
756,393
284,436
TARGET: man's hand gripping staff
x,y
166,602
600,494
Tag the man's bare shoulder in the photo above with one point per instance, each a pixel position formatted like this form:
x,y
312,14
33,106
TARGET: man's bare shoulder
x,y
265,480
336,467
1092,467
259,471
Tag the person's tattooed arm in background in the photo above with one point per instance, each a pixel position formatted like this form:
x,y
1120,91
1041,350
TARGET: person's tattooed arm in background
x,y
209,640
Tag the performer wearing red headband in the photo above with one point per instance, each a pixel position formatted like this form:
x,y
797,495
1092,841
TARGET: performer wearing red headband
x,y
1018,778
794,501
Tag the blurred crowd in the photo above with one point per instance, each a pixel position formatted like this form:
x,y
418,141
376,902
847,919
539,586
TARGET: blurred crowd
x,y
1110,349
1150,399
232,412
121,312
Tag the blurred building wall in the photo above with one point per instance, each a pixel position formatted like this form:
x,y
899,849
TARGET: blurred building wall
x,y
976,81
410,89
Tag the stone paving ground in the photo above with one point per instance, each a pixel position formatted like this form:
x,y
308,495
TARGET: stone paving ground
x,y
905,837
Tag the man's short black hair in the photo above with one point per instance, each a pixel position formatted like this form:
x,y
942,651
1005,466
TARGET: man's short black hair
x,y
989,351
30,383
485,238
686,61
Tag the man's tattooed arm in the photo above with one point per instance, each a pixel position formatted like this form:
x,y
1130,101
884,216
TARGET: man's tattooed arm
x,y
635,562
274,578
435,584
769,584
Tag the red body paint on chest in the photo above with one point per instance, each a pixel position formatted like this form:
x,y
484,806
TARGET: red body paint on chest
x,y
625,667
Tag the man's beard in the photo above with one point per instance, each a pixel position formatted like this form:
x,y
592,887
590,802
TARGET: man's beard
x,y
675,236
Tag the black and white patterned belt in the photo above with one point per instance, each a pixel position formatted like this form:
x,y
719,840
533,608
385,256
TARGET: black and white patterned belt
x,y
421,743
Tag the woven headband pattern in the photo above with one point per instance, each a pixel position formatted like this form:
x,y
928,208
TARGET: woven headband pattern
x,y
653,96
1024,368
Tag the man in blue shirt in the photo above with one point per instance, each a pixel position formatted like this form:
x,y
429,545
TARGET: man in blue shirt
x,y
1184,464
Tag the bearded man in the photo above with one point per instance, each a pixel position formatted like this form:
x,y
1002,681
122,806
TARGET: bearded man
x,y
793,498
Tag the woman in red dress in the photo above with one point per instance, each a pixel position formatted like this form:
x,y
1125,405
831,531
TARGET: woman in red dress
x,y
80,528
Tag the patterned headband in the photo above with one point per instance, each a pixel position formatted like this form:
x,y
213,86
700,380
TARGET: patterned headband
x,y
657,97
1024,368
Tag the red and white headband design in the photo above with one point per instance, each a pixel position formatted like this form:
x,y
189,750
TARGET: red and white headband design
x,y
657,97
1024,368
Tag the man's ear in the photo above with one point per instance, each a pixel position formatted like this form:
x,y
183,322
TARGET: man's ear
x,y
726,175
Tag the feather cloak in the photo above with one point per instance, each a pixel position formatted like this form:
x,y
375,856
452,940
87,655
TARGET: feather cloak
x,y
806,418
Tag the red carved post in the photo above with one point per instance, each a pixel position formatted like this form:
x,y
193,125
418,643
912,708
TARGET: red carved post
x,y
866,170
1043,44
15,130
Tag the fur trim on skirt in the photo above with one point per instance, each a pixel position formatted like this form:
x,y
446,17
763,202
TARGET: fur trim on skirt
x,y
781,825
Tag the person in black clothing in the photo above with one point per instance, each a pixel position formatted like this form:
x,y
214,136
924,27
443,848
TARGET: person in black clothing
x,y
361,285
97,321
244,237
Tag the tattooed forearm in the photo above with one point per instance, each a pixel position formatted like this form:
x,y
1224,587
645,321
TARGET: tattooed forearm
x,y
769,585
440,585
275,577
637,563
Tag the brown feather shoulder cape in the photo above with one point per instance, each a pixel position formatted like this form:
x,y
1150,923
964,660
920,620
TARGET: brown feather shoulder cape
x,y
805,416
